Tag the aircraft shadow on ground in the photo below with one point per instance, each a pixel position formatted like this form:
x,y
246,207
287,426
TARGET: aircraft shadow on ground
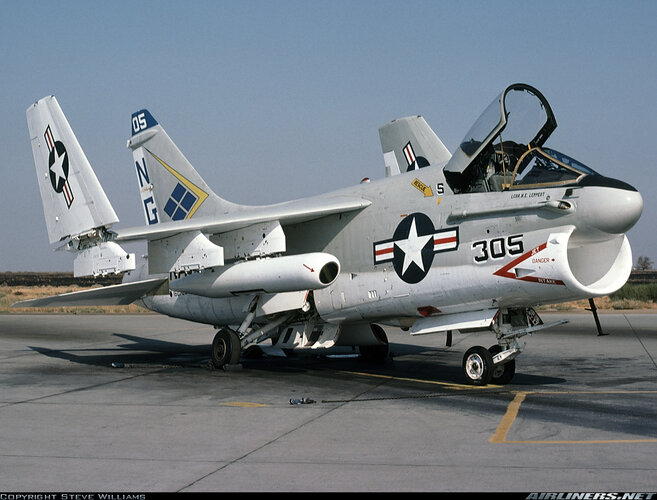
x,y
415,363
139,350
405,361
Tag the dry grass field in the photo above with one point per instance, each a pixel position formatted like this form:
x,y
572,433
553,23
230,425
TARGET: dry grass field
x,y
12,294
602,304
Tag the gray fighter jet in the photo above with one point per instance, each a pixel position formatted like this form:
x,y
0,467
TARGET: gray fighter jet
x,y
442,243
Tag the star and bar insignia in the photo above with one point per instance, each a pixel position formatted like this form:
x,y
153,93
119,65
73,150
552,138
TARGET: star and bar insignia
x,y
58,167
413,246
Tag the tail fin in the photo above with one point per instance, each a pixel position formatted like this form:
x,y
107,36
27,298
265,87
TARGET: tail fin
x,y
74,203
411,143
170,187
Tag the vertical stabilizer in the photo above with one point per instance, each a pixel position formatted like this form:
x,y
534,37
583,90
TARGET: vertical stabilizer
x,y
413,144
170,188
74,203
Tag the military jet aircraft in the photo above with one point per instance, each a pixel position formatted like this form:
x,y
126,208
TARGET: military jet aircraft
x,y
442,243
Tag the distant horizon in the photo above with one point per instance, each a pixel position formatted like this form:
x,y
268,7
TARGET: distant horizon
x,y
273,101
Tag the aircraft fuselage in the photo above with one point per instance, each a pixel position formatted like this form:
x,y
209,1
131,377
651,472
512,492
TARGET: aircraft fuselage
x,y
410,254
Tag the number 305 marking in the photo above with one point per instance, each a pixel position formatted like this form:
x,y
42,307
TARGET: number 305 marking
x,y
498,248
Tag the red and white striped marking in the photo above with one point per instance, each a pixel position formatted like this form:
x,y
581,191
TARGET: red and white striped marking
x,y
443,241
409,154
66,190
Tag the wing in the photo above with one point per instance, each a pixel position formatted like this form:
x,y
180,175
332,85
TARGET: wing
x,y
122,294
286,213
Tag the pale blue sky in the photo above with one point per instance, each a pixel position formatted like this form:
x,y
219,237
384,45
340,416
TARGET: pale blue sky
x,y
274,100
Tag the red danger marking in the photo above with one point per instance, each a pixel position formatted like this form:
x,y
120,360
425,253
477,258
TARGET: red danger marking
x,y
505,272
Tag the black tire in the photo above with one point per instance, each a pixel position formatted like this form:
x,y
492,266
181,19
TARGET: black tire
x,y
376,353
478,365
502,374
373,353
226,348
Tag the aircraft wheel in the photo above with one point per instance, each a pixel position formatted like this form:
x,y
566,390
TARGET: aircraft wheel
x,y
226,348
502,374
376,353
478,365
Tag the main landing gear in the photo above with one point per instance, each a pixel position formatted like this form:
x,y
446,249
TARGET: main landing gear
x,y
226,348
227,343
497,365
376,353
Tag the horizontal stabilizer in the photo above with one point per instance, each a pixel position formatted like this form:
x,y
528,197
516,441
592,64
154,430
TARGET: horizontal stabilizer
x,y
122,294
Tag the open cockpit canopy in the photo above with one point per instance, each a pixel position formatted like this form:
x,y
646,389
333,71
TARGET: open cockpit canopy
x,y
503,149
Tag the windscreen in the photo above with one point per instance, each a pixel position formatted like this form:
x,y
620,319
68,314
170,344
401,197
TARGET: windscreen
x,y
547,167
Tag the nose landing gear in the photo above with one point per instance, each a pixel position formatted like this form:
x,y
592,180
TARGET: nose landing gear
x,y
478,365
497,365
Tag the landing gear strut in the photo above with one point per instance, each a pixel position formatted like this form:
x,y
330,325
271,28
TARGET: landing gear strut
x,y
497,364
504,372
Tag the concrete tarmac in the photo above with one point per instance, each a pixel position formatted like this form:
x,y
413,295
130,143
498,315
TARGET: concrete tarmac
x,y
129,403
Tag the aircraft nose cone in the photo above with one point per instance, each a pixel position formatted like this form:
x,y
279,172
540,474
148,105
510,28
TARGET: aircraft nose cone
x,y
616,210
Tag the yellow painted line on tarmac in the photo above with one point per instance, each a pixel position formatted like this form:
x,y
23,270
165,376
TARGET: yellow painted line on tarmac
x,y
514,407
585,441
508,418
447,385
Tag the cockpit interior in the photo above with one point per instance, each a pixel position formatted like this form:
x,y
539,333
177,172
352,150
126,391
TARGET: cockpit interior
x,y
504,148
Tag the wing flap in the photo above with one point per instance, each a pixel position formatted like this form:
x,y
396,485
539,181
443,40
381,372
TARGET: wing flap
x,y
122,294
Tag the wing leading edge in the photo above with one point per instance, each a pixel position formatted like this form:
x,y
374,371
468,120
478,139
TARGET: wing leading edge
x,y
286,213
